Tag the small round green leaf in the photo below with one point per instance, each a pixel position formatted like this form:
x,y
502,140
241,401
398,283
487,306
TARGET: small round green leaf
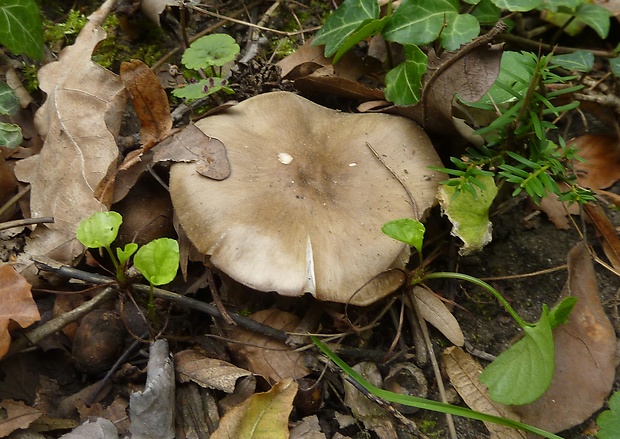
x,y
461,29
10,135
125,253
99,230
158,261
9,102
210,50
406,230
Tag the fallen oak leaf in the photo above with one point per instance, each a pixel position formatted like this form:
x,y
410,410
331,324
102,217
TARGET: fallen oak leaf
x,y
16,304
207,372
16,415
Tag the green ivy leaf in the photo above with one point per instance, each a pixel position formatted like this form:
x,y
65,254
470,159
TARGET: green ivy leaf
x,y
419,21
348,18
10,135
99,230
595,16
486,12
9,102
124,254
403,84
210,50
21,30
517,5
614,64
460,30
406,230
579,61
367,29
554,5
609,421
522,373
158,261
202,88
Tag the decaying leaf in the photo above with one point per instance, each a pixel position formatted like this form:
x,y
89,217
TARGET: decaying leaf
x,y
601,166
207,372
308,428
585,355
79,121
435,312
16,415
192,145
149,100
100,428
16,304
463,372
262,416
264,356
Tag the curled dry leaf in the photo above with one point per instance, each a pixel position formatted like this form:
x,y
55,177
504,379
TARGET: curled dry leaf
x,y
16,415
585,355
601,167
463,372
207,372
264,356
79,122
16,304
435,312
261,416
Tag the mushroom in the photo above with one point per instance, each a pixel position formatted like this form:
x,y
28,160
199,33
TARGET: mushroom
x,y
308,193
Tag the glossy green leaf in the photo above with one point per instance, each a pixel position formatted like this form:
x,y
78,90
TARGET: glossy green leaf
x,y
21,30
210,50
202,88
522,373
9,102
554,5
420,21
460,30
346,20
406,230
367,29
99,230
559,314
517,5
403,84
124,254
10,135
614,65
579,61
595,16
158,261
609,421
486,12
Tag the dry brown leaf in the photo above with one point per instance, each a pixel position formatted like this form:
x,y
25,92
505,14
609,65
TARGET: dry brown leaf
x,y
261,416
273,360
79,121
601,167
585,355
192,145
207,372
16,304
308,428
16,415
435,312
611,241
558,211
463,372
149,100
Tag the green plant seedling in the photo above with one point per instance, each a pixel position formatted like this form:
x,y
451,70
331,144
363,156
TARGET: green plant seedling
x,y
523,372
609,421
426,404
125,253
100,230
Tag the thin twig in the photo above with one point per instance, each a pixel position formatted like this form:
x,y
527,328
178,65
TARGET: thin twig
x,y
14,199
25,222
527,43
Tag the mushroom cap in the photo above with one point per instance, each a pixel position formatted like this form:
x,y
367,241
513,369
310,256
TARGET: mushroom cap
x,y
303,207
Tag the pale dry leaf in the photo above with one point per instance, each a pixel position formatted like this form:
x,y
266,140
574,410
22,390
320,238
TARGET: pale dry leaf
x,y
373,416
463,372
585,355
16,304
79,121
207,372
261,416
273,360
308,428
435,312
98,429
16,415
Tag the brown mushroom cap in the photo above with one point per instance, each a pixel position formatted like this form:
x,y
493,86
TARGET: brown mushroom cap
x,y
303,206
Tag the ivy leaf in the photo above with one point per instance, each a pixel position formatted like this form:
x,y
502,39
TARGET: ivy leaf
x,y
579,61
125,253
522,373
517,5
10,135
554,5
595,16
158,261
419,21
609,421
347,19
21,30
9,102
367,29
614,64
210,50
99,230
403,84
406,230
460,30
486,12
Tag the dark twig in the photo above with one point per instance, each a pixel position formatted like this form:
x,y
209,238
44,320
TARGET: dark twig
x,y
25,221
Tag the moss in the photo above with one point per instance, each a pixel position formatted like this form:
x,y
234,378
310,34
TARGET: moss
x,y
58,35
29,72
